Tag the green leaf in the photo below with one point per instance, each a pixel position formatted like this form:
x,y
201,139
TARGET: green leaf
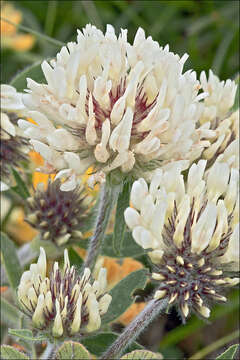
x,y
99,343
122,294
120,225
21,188
9,313
72,350
34,71
229,353
10,353
75,259
26,335
141,354
129,247
11,262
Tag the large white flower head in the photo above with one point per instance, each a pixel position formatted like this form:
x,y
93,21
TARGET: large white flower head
x,y
191,232
63,304
113,105
217,123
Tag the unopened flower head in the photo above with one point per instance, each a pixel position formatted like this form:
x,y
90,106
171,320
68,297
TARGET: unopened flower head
x,y
191,233
113,105
58,215
63,304
217,123
12,143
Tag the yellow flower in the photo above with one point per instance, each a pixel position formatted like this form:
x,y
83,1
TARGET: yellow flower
x,y
18,229
9,36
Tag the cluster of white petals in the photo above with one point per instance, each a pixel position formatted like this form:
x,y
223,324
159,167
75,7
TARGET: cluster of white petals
x,y
63,302
11,102
217,124
209,198
220,99
112,104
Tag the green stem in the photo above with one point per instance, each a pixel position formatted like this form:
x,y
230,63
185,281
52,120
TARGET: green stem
x,y
214,346
34,353
92,13
7,216
51,17
108,198
36,33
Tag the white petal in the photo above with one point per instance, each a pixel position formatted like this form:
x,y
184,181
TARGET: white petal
x,y
73,161
202,231
138,192
3,186
143,237
132,218
120,138
6,125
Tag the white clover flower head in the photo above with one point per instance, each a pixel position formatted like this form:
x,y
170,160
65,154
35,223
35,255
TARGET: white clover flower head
x,y
113,105
12,148
191,232
216,123
11,100
221,96
64,304
58,215
224,141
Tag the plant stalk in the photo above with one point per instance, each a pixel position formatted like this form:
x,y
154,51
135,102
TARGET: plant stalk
x,y
215,345
34,32
132,331
108,197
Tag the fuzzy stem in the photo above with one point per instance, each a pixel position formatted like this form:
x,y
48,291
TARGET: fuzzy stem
x,y
108,197
132,331
48,352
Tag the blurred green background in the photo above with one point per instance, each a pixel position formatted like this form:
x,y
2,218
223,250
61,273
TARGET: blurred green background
x,y
207,30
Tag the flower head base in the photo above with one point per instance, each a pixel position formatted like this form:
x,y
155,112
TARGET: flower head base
x,y
63,303
191,232
113,105
58,215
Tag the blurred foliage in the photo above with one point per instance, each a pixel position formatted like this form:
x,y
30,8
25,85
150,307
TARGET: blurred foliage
x,y
207,30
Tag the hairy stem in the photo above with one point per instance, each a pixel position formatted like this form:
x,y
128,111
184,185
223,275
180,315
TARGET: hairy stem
x,y
48,352
132,331
108,199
